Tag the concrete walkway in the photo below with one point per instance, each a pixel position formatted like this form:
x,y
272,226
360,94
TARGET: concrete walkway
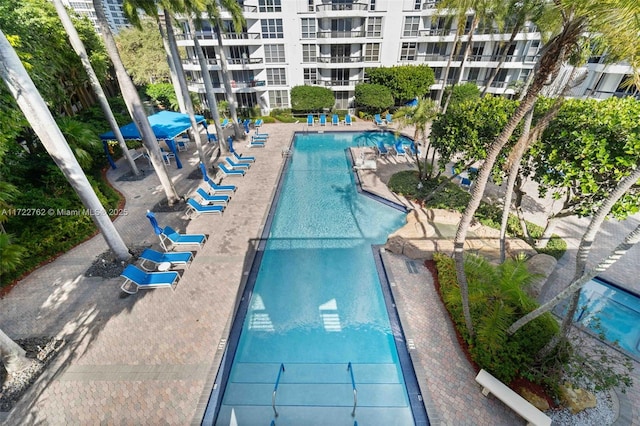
x,y
151,358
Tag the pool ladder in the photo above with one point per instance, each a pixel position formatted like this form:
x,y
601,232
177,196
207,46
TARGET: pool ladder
x,y
275,391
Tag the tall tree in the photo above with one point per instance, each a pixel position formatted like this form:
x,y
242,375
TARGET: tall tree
x,y
12,355
78,46
135,107
616,22
35,110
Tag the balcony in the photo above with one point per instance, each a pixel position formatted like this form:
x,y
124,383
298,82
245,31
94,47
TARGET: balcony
x,y
340,34
244,61
241,36
341,6
195,61
432,58
341,10
339,59
338,83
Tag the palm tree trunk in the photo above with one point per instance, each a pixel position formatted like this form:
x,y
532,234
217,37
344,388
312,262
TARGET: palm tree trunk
x,y
231,97
37,113
586,242
11,354
514,169
632,238
172,61
78,46
503,58
208,86
463,60
135,107
174,57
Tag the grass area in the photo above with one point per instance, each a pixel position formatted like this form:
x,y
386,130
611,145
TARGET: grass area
x,y
452,197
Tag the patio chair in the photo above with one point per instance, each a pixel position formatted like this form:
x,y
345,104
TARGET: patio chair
x,y
224,123
146,280
309,120
182,144
260,138
465,183
399,149
261,135
389,119
377,120
234,165
335,120
256,144
243,158
167,156
323,120
259,122
347,120
212,138
229,172
382,150
170,238
155,258
222,189
195,209
212,199
413,149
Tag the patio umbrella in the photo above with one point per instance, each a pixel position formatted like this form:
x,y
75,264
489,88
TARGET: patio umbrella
x,y
154,223
230,143
246,126
203,169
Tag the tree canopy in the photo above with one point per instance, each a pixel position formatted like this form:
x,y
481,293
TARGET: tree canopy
x,y
311,98
406,82
373,98
143,55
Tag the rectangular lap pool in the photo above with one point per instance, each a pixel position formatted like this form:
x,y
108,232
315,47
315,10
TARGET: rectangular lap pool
x,y
316,340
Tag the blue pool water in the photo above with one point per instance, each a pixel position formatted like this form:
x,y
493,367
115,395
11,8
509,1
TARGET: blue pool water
x,y
317,304
615,310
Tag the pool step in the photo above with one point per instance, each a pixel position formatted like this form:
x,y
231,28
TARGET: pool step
x,y
314,416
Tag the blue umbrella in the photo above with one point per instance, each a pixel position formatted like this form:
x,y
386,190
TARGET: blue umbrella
x,y
154,223
230,142
246,127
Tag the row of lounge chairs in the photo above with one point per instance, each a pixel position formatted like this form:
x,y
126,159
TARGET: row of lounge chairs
x,y
155,269
335,120
398,149
382,122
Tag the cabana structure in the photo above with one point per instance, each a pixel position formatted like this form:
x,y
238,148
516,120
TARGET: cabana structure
x,y
166,126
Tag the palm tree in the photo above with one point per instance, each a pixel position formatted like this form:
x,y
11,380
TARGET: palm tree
x,y
37,113
78,46
135,107
616,22
10,254
11,354
419,116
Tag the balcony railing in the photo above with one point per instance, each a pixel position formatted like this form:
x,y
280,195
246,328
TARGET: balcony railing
x,y
249,9
330,83
341,6
244,61
241,36
436,32
340,59
432,58
195,61
340,34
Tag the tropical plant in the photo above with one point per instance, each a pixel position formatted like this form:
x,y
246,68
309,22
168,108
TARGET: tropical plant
x,y
406,82
615,22
373,98
142,53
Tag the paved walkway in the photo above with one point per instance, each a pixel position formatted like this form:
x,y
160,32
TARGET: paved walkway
x,y
150,358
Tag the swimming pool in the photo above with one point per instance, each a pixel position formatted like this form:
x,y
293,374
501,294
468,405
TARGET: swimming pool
x,y
617,311
317,307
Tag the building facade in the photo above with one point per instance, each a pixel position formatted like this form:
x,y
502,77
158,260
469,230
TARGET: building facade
x,y
112,9
331,43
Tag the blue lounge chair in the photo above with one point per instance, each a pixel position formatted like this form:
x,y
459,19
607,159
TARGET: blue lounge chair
x,y
146,280
170,238
309,120
382,150
259,138
399,149
335,120
378,120
224,123
389,119
212,199
413,149
256,144
234,165
259,122
155,257
347,120
194,208
212,138
229,172
220,189
261,135
245,124
243,158
323,120
465,183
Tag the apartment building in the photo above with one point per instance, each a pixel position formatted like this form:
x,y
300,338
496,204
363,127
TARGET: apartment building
x,y
112,8
331,43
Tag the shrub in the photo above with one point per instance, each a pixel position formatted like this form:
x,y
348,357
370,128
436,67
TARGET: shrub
x,y
405,82
373,98
283,115
311,98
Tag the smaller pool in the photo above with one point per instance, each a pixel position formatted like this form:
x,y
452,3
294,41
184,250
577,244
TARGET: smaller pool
x,y
607,308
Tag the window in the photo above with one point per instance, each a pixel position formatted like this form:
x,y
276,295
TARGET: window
x,y
309,53
372,5
372,52
374,27
524,75
438,25
477,50
276,77
278,99
269,6
472,76
310,76
310,6
417,5
272,28
274,53
408,52
308,28
436,49
411,24
237,53
342,100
